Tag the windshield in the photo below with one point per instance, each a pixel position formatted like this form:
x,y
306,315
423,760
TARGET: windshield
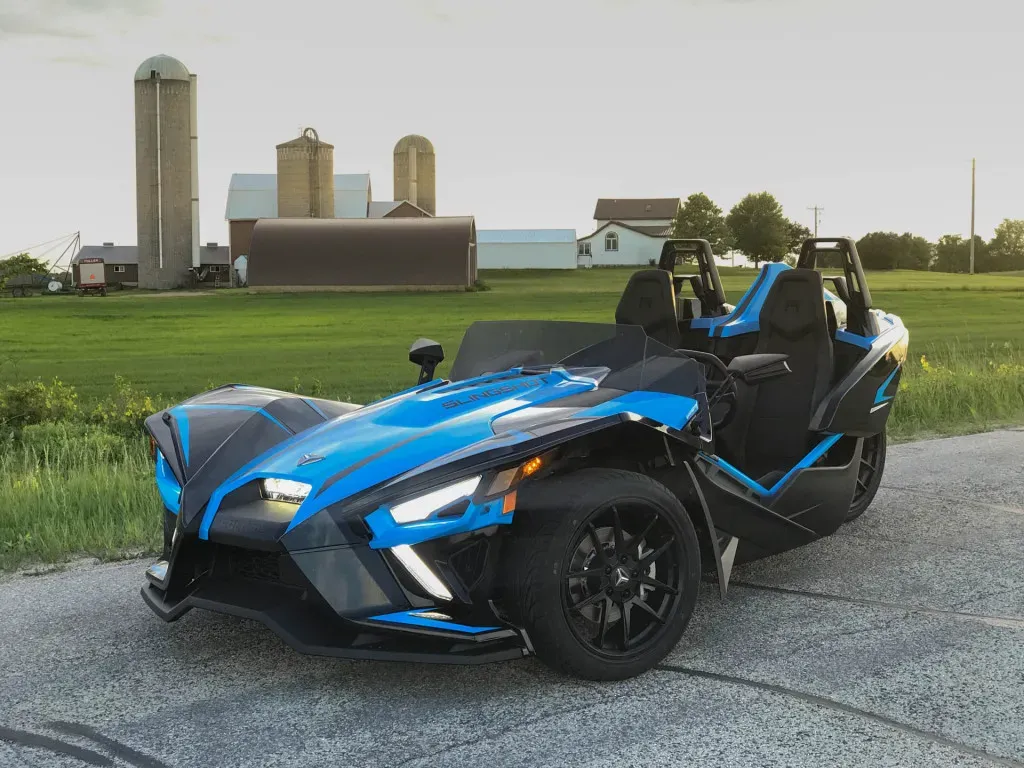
x,y
618,356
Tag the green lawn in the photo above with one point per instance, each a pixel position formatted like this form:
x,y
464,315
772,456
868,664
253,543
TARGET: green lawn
x,y
356,344
75,488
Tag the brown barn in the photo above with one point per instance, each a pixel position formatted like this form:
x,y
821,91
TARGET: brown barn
x,y
398,253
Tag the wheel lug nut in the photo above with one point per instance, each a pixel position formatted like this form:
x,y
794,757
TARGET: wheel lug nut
x,y
608,570
622,558
608,591
626,594
635,574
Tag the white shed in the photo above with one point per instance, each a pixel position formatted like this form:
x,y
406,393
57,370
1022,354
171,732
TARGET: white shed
x,y
526,248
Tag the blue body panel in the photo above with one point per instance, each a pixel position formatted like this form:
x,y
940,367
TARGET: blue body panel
x,y
167,484
420,617
673,411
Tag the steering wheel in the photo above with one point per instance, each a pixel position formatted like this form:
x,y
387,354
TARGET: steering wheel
x,y
722,388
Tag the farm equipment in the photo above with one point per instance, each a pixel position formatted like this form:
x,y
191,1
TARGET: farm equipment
x,y
92,279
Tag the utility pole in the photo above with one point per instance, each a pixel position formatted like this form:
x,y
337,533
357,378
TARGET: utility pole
x,y
817,211
972,215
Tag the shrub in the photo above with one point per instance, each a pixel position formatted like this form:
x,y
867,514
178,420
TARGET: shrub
x,y
125,411
36,402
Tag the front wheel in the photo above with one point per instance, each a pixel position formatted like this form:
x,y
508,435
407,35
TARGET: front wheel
x,y
869,475
603,571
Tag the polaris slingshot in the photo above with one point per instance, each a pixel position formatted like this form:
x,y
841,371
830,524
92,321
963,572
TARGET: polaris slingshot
x,y
561,493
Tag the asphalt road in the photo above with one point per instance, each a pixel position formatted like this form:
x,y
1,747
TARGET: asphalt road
x,y
897,642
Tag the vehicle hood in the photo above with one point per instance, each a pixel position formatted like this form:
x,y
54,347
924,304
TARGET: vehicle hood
x,y
233,436
395,436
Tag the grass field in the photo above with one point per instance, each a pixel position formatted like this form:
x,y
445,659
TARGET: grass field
x,y
356,344
63,492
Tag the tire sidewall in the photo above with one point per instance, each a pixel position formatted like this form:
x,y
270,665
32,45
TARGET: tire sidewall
x,y
555,636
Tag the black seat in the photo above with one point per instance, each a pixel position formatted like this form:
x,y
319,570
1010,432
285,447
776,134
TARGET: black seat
x,y
650,301
773,433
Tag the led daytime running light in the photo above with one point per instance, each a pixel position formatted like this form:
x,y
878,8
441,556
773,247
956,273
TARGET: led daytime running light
x,y
422,507
278,489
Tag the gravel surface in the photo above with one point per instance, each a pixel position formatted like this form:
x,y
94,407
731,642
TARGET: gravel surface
x,y
897,642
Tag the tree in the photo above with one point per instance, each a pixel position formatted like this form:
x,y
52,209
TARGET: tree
x,y
700,217
759,228
22,264
887,250
797,233
953,254
917,252
1006,250
880,250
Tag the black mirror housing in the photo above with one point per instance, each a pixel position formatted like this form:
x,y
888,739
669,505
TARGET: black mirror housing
x,y
426,353
755,369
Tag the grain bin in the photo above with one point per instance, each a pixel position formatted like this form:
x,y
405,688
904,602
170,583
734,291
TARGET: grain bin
x,y
415,173
305,177
165,172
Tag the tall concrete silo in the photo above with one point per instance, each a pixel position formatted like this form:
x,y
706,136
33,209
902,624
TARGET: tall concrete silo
x,y
414,172
305,177
166,172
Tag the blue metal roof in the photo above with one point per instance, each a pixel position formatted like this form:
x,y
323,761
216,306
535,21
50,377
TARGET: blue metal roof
x,y
526,236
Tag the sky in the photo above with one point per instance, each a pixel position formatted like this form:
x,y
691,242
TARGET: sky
x,y
871,109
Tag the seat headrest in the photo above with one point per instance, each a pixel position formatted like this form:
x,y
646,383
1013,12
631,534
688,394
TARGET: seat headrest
x,y
649,301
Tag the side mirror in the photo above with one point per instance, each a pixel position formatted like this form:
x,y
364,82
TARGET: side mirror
x,y
755,369
426,353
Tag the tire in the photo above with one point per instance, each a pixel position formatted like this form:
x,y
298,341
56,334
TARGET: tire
x,y
18,293
581,625
869,475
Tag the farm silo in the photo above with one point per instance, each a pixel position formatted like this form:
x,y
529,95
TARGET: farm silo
x,y
414,172
305,177
166,170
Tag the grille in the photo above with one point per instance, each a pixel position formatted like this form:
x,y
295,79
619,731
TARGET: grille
x,y
263,566
468,562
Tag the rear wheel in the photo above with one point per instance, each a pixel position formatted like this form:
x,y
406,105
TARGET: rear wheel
x,y
869,475
603,572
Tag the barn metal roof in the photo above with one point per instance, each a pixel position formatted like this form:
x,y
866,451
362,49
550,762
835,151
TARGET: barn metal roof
x,y
636,208
526,236
322,253
254,196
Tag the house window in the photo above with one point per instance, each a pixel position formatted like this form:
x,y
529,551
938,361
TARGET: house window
x,y
215,268
582,249
611,242
119,267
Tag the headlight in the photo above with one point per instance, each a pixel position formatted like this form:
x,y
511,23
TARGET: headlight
x,y
277,489
424,506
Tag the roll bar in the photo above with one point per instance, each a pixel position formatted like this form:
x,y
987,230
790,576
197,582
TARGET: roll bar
x,y
710,293
858,300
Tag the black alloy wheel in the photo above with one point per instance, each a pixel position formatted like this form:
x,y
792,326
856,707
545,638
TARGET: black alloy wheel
x,y
602,570
622,579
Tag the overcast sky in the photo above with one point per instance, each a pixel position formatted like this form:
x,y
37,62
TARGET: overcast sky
x,y
870,108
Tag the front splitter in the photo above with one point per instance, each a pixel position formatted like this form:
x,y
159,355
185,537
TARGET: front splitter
x,y
308,630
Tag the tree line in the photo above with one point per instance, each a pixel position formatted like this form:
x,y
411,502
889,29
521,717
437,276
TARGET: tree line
x,y
757,227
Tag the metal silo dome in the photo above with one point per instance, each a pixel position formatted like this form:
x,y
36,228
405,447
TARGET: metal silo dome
x,y
168,67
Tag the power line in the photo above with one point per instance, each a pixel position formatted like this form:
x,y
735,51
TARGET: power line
x,y
817,215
